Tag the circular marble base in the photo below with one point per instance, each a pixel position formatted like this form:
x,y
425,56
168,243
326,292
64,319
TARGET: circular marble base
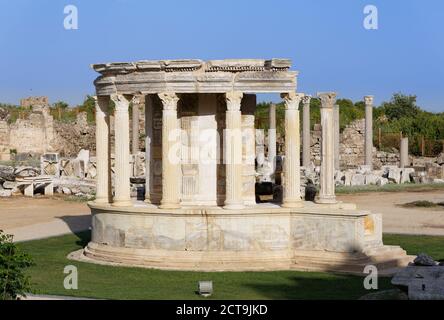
x,y
262,237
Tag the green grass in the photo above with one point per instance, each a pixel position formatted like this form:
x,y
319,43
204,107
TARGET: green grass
x,y
392,187
137,283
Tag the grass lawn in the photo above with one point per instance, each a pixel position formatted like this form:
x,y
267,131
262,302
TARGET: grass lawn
x,y
392,187
137,283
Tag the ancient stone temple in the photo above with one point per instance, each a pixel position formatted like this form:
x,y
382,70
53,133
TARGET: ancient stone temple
x,y
199,211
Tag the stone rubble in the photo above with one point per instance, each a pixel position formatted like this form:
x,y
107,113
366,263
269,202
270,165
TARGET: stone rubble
x,y
422,280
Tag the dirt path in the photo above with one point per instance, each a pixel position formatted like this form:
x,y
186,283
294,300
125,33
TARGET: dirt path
x,y
33,218
427,221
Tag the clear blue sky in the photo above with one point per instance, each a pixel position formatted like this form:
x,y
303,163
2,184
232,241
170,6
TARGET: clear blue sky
x,y
325,39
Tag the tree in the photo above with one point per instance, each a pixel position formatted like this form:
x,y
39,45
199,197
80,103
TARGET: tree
x,y
401,106
60,106
13,262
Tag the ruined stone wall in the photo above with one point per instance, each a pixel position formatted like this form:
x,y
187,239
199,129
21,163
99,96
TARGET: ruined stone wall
x,y
351,147
71,137
32,135
34,101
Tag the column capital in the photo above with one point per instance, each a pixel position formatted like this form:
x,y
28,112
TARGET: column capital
x,y
137,99
169,100
121,102
234,99
328,99
368,100
306,99
292,100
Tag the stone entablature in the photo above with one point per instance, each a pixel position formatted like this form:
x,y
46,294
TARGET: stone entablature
x,y
196,76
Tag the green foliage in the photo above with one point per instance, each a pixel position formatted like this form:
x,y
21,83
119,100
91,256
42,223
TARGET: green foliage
x,y
13,262
401,114
400,106
89,106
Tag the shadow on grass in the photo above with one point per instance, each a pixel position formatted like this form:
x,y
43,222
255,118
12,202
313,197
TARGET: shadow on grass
x,y
317,286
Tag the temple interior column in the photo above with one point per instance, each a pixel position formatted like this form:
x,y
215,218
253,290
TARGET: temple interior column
x,y
306,134
233,151
122,196
248,108
292,175
102,150
337,136
135,114
135,124
148,139
327,180
368,130
170,152
272,136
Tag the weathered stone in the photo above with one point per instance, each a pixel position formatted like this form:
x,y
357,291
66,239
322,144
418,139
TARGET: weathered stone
x,y
66,191
440,159
406,175
7,173
424,260
26,172
371,179
5,193
9,184
364,169
357,180
394,175
382,181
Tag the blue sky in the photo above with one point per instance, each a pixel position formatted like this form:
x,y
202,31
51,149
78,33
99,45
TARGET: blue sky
x,y
325,39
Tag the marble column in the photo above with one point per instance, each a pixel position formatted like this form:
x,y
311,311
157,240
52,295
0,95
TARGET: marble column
x,y
135,114
306,134
272,136
170,158
337,136
248,108
135,124
233,151
122,196
368,130
327,179
102,150
292,174
404,153
148,139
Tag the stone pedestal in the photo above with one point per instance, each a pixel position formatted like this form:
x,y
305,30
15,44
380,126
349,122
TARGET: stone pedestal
x,y
233,152
368,130
103,194
327,180
170,157
292,175
306,134
122,195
